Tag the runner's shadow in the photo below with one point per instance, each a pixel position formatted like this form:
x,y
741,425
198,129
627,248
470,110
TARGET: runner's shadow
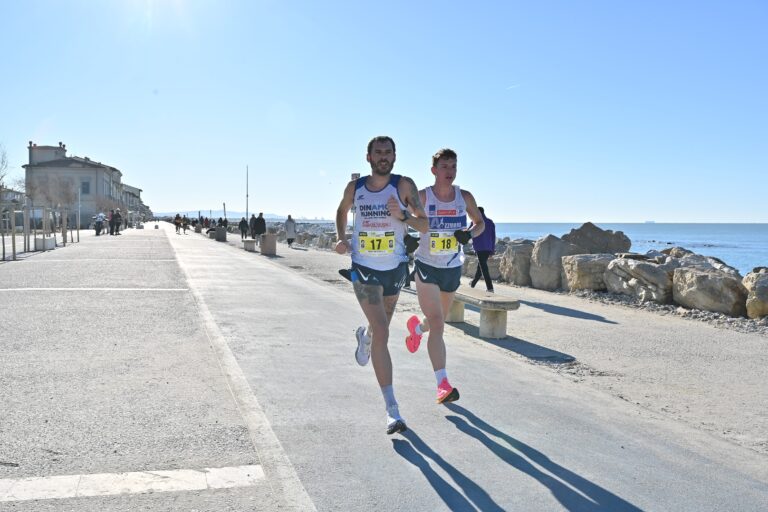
x,y
573,313
587,496
417,452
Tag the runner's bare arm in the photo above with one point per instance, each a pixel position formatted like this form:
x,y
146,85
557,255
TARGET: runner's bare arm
x,y
478,224
342,212
410,194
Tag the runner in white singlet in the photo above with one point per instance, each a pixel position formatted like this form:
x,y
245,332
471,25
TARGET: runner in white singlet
x,y
439,260
385,205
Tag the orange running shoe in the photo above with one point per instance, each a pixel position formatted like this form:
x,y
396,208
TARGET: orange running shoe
x,y
446,393
413,340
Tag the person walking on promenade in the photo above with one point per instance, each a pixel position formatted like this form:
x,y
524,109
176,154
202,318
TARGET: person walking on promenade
x,y
118,221
111,221
185,223
252,225
290,230
260,227
177,223
243,226
484,245
386,204
99,223
439,259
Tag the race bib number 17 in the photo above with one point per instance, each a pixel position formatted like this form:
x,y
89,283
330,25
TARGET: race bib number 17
x,y
376,243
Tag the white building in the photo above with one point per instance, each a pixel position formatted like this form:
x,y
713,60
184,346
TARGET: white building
x,y
56,180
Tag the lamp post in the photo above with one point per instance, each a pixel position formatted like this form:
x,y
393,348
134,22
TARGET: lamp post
x,y
246,191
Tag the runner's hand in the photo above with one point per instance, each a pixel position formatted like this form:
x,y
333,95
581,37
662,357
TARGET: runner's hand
x,y
394,208
411,244
342,247
462,236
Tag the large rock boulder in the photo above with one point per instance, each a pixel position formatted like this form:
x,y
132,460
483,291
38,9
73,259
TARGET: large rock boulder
x,y
516,263
547,264
709,290
593,240
690,259
470,266
585,271
326,240
645,280
756,283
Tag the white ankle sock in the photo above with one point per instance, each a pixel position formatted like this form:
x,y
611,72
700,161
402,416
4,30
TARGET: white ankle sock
x,y
440,375
389,396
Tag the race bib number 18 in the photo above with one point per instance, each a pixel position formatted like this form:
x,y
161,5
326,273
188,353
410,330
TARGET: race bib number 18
x,y
441,242
376,243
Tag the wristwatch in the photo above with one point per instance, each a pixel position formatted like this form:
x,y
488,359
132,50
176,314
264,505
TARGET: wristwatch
x,y
406,216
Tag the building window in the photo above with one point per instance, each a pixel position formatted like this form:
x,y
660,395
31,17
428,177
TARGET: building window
x,y
85,188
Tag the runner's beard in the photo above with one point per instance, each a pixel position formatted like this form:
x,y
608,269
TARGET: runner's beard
x,y
382,167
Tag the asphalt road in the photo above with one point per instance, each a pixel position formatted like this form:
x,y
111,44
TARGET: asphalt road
x,y
153,351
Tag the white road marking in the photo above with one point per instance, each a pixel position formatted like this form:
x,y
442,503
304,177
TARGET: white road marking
x,y
94,289
77,260
137,482
283,480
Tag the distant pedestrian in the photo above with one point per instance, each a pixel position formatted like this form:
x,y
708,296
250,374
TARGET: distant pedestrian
x,y
99,223
243,226
260,227
118,221
111,221
185,223
484,245
177,223
252,225
290,231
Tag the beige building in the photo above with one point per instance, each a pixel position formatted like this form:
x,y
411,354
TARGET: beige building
x,y
56,180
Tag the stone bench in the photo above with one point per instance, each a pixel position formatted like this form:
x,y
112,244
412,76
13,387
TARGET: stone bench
x,y
249,244
493,310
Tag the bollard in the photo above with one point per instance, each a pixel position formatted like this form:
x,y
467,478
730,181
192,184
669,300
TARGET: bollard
x,y
221,234
268,244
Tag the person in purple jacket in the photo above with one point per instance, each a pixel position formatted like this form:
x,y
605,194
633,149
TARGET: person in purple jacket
x,y
484,245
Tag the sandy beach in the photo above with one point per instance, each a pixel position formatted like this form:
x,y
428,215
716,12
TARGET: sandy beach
x,y
698,370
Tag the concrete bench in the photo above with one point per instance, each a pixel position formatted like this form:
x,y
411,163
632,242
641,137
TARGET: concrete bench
x,y
493,310
249,244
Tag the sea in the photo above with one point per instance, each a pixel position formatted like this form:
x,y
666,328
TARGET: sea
x,y
742,246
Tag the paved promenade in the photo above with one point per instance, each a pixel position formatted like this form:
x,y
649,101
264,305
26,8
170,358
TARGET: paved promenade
x,y
156,371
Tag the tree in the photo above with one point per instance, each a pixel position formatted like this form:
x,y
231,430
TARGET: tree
x,y
3,167
3,214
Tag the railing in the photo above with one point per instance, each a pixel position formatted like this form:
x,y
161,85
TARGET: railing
x,y
38,227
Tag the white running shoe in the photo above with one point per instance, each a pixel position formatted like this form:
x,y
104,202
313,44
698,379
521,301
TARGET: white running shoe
x,y
363,350
395,422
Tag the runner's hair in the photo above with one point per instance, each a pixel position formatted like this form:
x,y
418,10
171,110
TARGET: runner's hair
x,y
443,153
381,138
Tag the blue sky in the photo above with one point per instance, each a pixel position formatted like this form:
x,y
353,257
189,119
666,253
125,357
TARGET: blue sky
x,y
560,111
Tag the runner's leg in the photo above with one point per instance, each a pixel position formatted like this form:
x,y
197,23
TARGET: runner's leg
x,y
372,302
430,302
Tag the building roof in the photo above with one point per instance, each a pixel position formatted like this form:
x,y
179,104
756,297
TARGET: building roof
x,y
71,161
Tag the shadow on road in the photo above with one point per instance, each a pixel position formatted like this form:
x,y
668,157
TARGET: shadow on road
x,y
561,482
416,451
573,313
526,349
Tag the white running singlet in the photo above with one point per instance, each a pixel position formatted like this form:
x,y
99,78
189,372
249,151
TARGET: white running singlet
x,y
438,247
377,238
